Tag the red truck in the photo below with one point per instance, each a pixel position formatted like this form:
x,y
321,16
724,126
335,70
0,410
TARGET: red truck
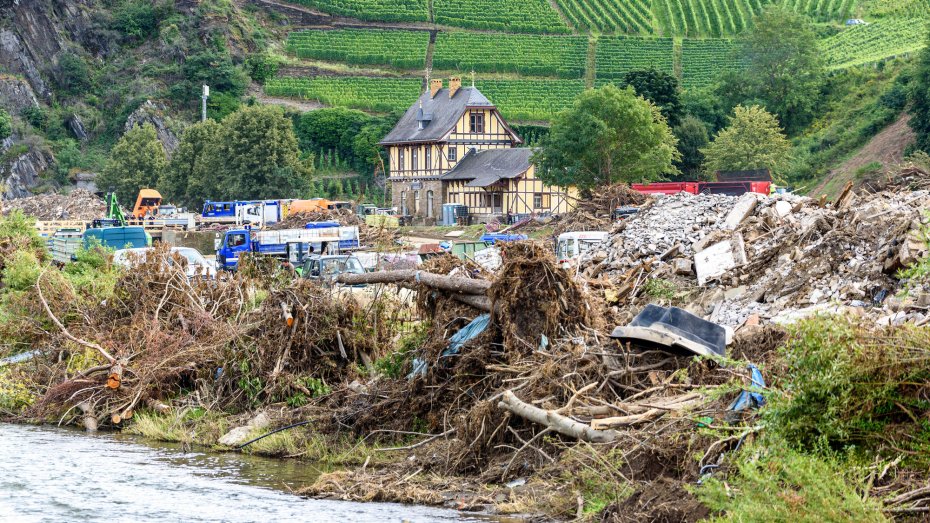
x,y
731,188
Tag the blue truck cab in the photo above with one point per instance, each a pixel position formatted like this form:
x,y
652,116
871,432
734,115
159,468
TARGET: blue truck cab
x,y
492,238
328,237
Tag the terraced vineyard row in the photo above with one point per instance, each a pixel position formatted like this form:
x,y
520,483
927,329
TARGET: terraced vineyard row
x,y
562,56
625,16
822,9
703,61
615,56
517,99
706,17
869,43
517,16
374,10
401,49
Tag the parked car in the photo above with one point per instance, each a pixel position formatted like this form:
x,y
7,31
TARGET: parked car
x,y
327,267
194,263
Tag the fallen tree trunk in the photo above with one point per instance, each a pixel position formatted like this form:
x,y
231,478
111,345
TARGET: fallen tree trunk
x,y
557,422
435,281
647,411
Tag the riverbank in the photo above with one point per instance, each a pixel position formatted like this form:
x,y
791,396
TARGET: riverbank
x,y
503,392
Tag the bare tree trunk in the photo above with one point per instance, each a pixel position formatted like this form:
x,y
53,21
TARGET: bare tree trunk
x,y
557,422
435,281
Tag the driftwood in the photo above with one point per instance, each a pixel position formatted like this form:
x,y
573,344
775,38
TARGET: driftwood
x,y
643,412
435,281
557,422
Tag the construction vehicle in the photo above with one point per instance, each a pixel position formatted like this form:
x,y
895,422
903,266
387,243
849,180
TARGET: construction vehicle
x,y
243,212
147,203
327,239
316,205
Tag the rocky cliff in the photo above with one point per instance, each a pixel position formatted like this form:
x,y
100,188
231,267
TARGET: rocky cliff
x,y
21,168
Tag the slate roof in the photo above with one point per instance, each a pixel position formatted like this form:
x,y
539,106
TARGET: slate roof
x,y
443,114
490,166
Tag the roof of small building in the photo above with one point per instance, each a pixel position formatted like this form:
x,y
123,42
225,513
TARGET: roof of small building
x,y
490,166
443,113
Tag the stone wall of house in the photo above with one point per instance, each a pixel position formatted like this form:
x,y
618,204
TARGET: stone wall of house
x,y
403,195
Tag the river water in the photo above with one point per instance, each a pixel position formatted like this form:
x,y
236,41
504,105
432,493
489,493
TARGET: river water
x,y
57,475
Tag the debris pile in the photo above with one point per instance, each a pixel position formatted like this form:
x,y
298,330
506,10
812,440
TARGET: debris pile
x,y
371,236
78,204
596,212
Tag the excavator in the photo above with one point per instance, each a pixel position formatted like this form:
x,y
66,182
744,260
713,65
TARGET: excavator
x,y
114,215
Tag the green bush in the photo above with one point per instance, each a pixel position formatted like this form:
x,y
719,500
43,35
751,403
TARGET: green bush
x,y
36,116
774,483
139,19
21,271
6,124
261,67
72,75
846,388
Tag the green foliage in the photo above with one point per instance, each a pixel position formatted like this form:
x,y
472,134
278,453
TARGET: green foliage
x,y
258,156
139,19
659,88
72,76
660,289
847,388
190,178
784,67
692,138
380,10
626,16
609,135
262,66
19,231
862,44
517,99
401,49
704,61
753,140
6,124
21,271
561,56
36,116
515,16
136,162
920,100
616,56
220,105
398,363
706,17
14,392
775,483
208,66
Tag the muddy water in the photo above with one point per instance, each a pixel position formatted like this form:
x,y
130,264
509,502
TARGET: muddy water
x,y
54,475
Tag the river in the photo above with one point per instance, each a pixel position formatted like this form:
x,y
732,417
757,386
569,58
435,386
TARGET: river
x,y
56,475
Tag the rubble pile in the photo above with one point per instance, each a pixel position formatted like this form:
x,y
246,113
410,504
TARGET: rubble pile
x,y
765,255
78,204
596,212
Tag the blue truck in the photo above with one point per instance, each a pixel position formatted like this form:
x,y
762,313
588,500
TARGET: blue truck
x,y
65,243
246,212
323,238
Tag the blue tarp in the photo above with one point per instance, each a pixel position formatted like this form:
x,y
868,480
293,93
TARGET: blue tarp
x,y
747,399
466,333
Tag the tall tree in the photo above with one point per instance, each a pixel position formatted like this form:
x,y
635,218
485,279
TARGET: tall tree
x,y
659,88
692,137
608,135
136,161
192,174
784,67
753,140
920,100
259,154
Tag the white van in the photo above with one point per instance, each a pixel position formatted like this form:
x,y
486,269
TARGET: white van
x,y
571,245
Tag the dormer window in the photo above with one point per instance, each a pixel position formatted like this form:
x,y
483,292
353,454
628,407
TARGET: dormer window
x,y
477,123
420,125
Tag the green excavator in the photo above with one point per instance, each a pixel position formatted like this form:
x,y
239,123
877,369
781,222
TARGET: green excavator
x,y
114,216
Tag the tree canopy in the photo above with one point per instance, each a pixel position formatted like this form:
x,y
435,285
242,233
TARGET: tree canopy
x,y
137,161
753,140
920,100
659,88
608,135
784,71
191,177
692,137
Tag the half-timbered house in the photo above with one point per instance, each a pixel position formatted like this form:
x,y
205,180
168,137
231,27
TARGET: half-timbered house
x,y
453,146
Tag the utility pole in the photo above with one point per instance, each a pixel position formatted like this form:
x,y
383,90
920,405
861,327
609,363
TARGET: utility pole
x,y
203,107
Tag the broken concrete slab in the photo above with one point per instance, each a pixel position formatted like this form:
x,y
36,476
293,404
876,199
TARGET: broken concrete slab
x,y
240,435
744,207
719,258
682,266
782,208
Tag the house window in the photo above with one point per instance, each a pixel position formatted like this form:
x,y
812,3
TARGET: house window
x,y
403,203
537,200
429,204
453,197
400,158
477,122
429,157
542,200
453,153
414,165
416,202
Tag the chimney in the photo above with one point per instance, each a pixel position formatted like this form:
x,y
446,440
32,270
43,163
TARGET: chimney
x,y
434,86
454,84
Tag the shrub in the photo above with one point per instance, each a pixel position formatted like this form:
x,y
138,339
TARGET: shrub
x,y
261,67
6,124
139,19
72,75
36,116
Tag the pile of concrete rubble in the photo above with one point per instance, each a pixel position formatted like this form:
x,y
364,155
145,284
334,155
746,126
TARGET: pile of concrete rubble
x,y
78,204
757,258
